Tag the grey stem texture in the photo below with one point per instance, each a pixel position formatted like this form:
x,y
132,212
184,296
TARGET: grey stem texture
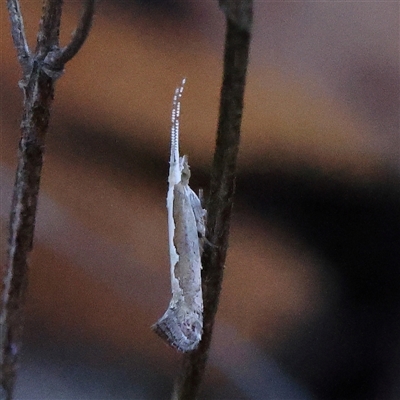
x,y
38,98
18,33
49,30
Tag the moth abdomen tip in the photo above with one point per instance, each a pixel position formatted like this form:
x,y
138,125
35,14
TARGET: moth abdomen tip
x,y
182,336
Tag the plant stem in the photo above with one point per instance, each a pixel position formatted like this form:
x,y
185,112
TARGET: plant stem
x,y
40,71
222,186
38,99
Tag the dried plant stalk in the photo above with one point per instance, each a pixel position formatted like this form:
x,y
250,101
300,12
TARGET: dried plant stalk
x,y
40,71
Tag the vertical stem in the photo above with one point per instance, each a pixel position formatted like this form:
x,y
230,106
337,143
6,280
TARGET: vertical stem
x,y
222,188
40,71
38,98
49,30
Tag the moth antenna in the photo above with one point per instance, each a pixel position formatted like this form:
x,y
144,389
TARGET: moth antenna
x,y
175,121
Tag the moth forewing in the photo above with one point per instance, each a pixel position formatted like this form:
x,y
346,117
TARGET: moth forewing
x,y
182,324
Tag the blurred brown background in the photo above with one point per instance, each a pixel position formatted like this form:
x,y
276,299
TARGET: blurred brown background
x,y
310,301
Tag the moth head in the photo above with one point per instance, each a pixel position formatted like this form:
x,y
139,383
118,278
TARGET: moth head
x,y
185,170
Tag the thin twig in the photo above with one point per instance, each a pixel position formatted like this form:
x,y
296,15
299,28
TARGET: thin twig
x,y
237,43
40,75
18,33
49,29
79,36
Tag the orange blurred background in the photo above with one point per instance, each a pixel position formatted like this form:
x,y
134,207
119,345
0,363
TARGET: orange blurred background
x,y
310,300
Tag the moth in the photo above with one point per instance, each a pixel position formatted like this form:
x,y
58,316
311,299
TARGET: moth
x,y
181,326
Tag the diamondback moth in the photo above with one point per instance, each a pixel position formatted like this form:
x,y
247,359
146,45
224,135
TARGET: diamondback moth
x,y
181,326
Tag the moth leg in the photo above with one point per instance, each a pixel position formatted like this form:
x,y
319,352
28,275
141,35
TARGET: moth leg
x,y
201,198
199,212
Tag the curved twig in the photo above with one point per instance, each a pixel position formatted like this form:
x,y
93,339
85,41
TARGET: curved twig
x,y
79,36
222,187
